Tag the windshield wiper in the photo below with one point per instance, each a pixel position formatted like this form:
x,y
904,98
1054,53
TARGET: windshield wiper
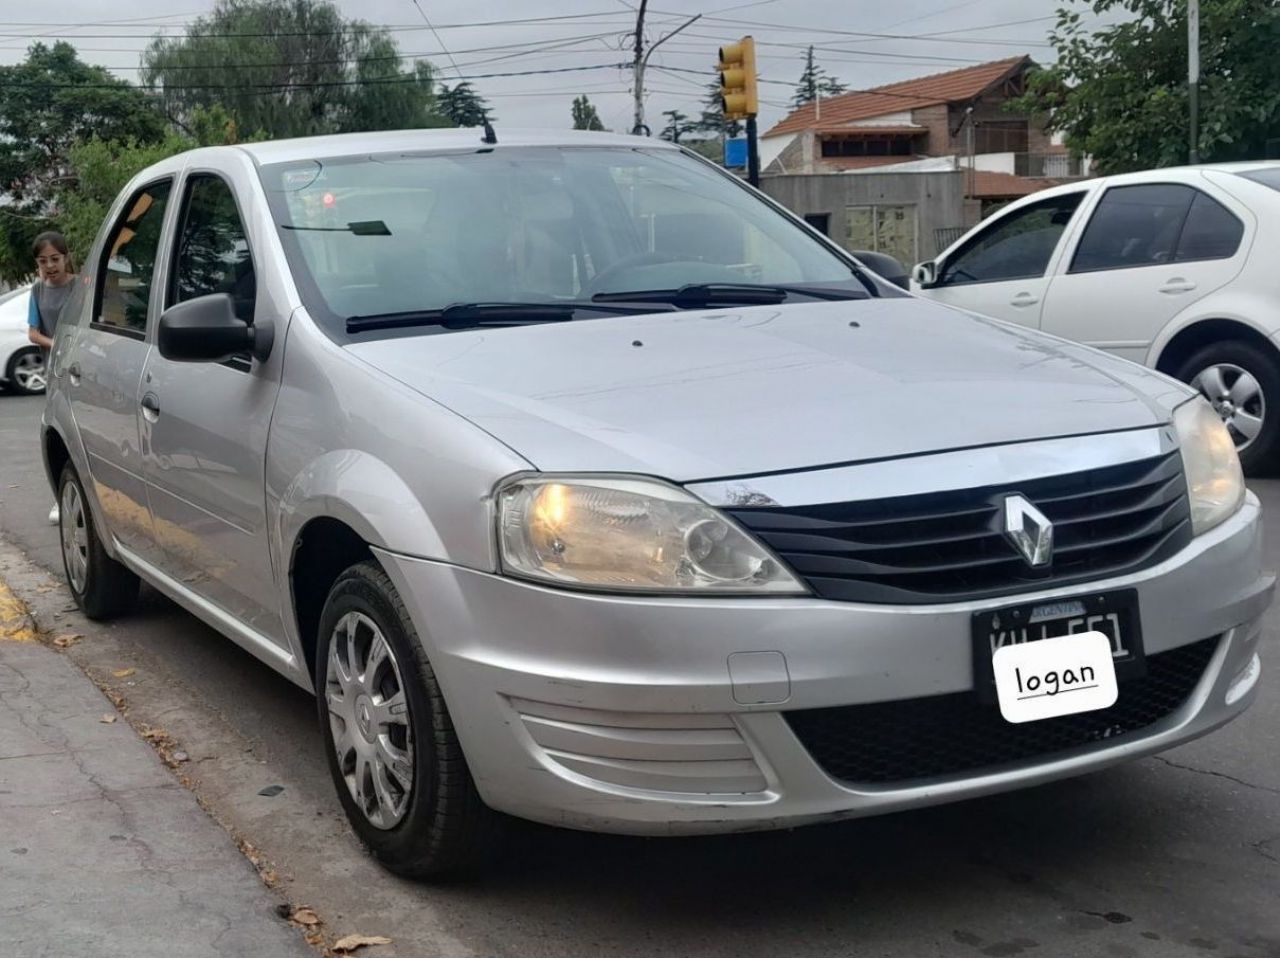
x,y
471,315
701,295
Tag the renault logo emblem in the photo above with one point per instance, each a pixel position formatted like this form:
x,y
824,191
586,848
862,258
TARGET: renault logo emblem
x,y
1029,530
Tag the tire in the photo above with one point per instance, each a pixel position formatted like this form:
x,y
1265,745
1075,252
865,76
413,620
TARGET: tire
x,y
428,821
1241,402
103,588
25,372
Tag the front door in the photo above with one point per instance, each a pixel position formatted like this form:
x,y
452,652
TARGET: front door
x,y
1149,251
204,425
1003,270
105,362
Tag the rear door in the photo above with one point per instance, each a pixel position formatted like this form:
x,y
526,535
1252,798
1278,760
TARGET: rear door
x,y
204,425
1148,252
1003,270
104,367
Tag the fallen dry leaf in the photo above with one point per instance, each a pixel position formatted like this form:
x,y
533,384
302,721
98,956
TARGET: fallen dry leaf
x,y
66,641
305,916
351,942
108,719
123,673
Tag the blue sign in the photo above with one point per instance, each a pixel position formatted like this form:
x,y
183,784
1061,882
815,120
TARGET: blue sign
x,y
735,152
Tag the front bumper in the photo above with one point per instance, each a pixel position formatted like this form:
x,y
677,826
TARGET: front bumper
x,y
665,715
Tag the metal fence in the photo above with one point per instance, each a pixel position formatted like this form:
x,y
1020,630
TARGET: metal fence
x,y
946,235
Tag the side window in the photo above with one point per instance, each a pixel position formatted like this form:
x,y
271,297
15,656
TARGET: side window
x,y
129,262
212,254
1017,246
1211,231
1134,226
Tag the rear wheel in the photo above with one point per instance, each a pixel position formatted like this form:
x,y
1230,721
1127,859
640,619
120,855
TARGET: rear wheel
x,y
102,587
1242,383
391,746
25,371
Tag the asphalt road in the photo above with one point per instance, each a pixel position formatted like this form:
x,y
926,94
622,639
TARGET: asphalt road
x,y
1172,856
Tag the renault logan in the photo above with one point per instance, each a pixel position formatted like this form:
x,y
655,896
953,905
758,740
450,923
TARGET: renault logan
x,y
586,485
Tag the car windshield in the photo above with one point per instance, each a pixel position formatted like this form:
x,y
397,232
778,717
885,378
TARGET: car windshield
x,y
380,235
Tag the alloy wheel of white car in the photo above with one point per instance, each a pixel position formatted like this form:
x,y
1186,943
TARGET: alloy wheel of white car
x,y
26,372
1236,395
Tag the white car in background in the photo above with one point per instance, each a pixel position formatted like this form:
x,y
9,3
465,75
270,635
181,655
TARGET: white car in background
x,y
21,363
1174,268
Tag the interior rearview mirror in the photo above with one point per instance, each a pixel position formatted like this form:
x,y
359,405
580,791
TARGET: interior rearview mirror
x,y
925,274
207,330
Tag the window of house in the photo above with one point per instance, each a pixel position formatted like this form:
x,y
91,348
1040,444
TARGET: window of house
x,y
819,221
1000,136
867,146
1134,226
124,286
883,229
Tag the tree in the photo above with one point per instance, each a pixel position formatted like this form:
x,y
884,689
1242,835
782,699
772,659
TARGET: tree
x,y
461,105
585,116
815,82
712,119
678,124
289,68
1119,94
49,103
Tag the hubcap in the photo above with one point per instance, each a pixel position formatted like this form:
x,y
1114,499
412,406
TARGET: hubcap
x,y
1236,395
75,537
369,720
28,372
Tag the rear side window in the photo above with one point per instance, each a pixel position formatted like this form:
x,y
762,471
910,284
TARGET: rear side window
x,y
129,263
213,250
1211,231
1017,246
1134,226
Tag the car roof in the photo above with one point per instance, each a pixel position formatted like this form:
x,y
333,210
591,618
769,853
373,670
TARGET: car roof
x,y
409,141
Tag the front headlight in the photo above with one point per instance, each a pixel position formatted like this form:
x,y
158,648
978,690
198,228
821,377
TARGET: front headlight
x,y
1214,479
629,535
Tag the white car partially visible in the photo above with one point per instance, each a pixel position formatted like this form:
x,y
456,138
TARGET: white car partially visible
x,y
1172,268
21,363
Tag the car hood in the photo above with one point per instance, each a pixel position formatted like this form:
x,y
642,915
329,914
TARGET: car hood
x,y
729,393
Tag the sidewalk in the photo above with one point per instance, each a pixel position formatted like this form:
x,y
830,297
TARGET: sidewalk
x,y
102,852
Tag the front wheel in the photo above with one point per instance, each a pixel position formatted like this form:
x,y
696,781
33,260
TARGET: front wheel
x,y
391,746
102,587
1242,383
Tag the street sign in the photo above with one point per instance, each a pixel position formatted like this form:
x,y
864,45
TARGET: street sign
x,y
735,153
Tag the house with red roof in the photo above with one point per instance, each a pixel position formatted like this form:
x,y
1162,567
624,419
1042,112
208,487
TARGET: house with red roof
x,y
956,120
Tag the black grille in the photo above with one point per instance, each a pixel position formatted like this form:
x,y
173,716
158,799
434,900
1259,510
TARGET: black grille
x,y
949,546
948,734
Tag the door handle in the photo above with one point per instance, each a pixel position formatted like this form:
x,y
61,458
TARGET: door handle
x,y
151,407
73,371
1177,285
1024,299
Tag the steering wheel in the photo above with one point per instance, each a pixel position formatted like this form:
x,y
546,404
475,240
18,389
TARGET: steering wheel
x,y
600,282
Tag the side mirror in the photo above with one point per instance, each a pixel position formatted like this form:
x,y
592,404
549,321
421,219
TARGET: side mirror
x,y
207,330
925,274
884,266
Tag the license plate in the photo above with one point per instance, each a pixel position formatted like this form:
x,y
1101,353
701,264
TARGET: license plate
x,y
1114,614
1052,677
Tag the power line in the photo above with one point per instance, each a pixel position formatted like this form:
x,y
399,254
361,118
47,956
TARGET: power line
x,y
436,34
302,85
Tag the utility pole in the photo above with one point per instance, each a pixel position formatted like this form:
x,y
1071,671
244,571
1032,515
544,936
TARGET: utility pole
x,y
1193,75
639,128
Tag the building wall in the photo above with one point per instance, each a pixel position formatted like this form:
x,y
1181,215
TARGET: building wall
x,y
936,201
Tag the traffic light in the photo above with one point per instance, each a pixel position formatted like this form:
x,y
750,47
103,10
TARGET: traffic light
x,y
737,68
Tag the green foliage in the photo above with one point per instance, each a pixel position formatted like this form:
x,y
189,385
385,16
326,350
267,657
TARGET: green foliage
x,y
49,103
713,150
1120,94
461,105
678,124
815,82
289,68
585,116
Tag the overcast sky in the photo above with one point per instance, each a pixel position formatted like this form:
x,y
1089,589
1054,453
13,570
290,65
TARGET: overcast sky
x,y
598,34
